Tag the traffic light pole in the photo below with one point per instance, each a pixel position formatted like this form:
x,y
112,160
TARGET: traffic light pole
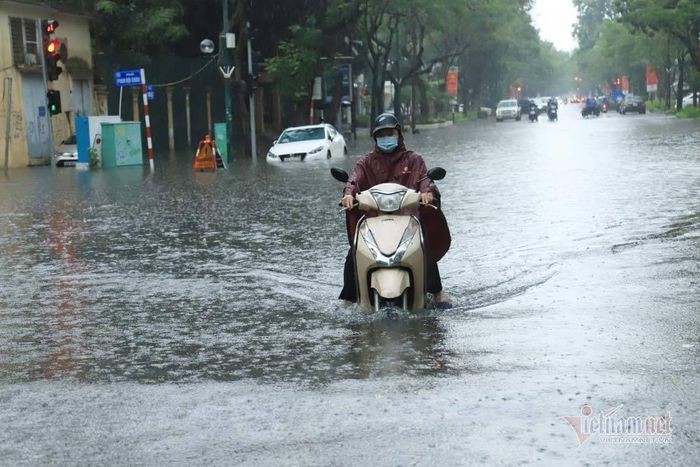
x,y
226,62
52,149
251,99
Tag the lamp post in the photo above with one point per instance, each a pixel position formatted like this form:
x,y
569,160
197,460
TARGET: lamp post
x,y
225,58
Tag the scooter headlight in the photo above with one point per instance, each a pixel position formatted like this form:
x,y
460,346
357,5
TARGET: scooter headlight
x,y
389,202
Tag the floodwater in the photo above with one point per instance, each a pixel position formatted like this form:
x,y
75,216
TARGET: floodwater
x,y
180,317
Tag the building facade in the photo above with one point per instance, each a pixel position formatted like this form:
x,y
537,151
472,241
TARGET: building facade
x,y
23,102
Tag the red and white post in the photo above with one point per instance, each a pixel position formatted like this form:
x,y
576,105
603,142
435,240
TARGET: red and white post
x,y
146,118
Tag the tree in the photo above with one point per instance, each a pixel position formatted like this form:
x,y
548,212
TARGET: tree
x,y
591,15
678,18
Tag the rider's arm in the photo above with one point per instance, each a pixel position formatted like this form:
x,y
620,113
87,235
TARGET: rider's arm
x,y
422,171
357,179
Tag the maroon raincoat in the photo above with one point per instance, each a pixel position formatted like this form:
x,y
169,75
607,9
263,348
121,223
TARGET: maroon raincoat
x,y
405,168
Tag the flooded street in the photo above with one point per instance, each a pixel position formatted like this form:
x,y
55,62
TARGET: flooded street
x,y
182,317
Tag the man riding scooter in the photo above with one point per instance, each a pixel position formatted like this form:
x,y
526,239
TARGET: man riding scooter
x,y
391,162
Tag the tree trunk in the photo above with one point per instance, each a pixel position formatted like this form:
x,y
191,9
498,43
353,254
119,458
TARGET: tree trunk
x,y
397,99
681,78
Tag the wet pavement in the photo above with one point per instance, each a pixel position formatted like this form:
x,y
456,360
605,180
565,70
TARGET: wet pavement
x,y
182,317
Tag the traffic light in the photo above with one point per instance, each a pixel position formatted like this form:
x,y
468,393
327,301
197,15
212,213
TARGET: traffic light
x,y
52,68
54,50
49,26
54,99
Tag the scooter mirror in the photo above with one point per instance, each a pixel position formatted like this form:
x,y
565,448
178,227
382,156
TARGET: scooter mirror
x,y
340,174
437,173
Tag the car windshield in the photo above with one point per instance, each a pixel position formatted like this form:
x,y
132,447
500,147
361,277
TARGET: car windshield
x,y
507,104
302,134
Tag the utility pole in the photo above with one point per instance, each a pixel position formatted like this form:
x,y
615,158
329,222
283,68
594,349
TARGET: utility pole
x,y
226,64
251,96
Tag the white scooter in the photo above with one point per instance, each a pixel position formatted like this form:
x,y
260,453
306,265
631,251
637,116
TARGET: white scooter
x,y
389,250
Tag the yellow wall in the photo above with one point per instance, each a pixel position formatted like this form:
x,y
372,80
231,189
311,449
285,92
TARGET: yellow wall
x,y
75,30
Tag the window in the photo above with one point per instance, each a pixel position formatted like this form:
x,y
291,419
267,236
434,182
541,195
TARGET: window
x,y
301,134
25,47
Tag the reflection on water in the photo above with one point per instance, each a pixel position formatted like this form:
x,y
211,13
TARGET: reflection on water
x,y
124,275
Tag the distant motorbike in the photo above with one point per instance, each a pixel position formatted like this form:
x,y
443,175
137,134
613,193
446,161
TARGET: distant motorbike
x,y
532,113
590,108
552,113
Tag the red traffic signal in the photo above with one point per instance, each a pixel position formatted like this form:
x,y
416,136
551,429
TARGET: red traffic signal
x,y
49,25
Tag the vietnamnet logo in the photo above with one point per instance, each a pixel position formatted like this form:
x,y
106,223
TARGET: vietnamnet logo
x,y
610,427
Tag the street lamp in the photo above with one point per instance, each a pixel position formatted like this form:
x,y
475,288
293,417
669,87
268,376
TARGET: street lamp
x,y
206,46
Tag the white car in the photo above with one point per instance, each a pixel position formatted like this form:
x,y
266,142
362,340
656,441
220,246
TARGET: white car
x,y
303,143
688,100
507,109
67,152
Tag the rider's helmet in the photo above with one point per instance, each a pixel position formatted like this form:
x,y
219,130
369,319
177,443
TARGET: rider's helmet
x,y
386,120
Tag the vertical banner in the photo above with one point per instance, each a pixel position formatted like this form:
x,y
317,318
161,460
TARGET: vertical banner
x,y
652,79
452,77
625,84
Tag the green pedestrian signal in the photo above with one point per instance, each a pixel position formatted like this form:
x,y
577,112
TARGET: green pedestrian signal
x,y
54,99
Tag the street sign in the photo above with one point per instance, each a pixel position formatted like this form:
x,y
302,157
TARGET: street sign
x,y
127,78
150,90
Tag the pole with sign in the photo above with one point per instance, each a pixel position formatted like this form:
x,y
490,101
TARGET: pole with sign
x,y
133,78
147,119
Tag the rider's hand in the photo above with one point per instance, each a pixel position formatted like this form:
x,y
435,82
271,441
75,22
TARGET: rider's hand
x,y
426,198
347,201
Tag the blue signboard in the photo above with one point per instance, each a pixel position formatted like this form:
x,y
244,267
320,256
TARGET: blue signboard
x,y
150,90
127,78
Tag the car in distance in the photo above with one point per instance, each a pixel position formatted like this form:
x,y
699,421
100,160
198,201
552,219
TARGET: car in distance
x,y
633,104
304,143
507,109
688,100
67,152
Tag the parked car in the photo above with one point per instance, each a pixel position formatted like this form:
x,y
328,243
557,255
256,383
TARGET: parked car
x,y
633,104
67,152
688,100
305,143
507,109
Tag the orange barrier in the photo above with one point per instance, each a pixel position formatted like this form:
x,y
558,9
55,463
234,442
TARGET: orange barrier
x,y
205,159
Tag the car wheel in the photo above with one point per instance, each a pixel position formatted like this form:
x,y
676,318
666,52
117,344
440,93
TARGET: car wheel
x,y
517,119
328,154
624,112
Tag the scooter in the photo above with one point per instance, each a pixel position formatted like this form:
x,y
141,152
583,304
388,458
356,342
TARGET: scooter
x,y
552,113
389,250
587,111
533,114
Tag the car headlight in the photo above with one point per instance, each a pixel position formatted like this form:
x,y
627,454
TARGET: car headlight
x,y
271,155
315,150
389,202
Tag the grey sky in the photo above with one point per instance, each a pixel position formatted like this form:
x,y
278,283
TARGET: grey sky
x,y
555,20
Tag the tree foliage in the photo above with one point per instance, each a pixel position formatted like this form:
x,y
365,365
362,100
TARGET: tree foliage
x,y
677,18
293,68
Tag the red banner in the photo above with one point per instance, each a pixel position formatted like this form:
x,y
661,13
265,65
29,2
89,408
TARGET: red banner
x,y
652,79
452,83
